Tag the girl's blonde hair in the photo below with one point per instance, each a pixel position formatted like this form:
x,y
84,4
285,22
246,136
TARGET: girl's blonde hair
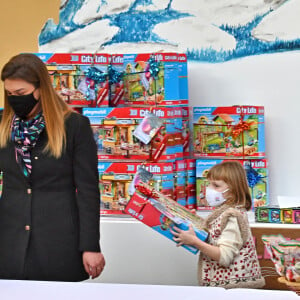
x,y
234,175
31,69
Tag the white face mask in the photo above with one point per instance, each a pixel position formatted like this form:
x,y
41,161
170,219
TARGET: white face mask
x,y
214,198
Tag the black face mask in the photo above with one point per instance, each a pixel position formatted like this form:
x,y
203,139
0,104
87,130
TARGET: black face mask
x,y
22,105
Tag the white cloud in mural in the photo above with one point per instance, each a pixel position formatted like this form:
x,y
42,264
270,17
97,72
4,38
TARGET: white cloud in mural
x,y
92,9
82,40
281,24
232,12
193,33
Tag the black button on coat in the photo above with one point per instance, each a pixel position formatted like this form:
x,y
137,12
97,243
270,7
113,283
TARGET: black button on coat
x,y
46,224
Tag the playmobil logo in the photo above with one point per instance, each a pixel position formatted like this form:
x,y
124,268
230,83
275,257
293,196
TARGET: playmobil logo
x,y
206,163
200,110
95,59
98,112
101,167
246,110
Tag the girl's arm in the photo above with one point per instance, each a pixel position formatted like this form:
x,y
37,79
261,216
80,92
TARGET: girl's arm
x,y
188,237
228,246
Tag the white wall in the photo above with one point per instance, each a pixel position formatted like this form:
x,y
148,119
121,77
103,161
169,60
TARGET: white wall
x,y
137,254
271,80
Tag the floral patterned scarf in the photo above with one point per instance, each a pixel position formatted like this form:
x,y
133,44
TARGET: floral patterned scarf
x,y
25,135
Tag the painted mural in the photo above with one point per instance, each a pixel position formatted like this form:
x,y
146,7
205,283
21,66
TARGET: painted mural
x,y
206,30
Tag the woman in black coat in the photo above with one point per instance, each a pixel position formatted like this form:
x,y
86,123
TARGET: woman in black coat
x,y
49,209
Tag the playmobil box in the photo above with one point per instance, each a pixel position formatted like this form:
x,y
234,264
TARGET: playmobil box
x,y
152,79
186,131
183,78
233,131
257,177
162,214
117,182
191,202
79,78
180,176
116,81
115,131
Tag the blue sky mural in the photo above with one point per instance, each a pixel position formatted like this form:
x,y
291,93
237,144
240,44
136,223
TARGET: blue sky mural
x,y
208,31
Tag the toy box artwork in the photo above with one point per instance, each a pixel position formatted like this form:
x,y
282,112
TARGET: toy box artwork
x,y
257,177
191,201
114,127
235,131
151,79
73,76
116,83
115,183
186,131
162,214
262,214
183,78
180,176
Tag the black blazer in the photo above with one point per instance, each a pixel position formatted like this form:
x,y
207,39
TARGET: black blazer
x,y
47,223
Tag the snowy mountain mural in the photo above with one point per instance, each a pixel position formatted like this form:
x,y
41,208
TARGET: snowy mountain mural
x,y
207,30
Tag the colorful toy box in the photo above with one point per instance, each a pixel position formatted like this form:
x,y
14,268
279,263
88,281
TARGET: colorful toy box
x,y
262,214
114,127
183,78
152,79
257,176
277,215
233,131
115,183
162,214
79,78
186,131
180,176
191,201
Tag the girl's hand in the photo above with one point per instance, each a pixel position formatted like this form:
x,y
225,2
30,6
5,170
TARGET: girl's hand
x,y
184,237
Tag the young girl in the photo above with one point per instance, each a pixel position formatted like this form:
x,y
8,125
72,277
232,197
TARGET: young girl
x,y
229,258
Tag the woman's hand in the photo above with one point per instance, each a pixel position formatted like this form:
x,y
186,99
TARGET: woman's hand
x,y
184,237
93,262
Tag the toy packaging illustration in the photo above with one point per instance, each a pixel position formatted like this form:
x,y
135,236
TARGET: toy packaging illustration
x,y
186,131
162,213
79,78
117,182
266,214
147,129
257,177
191,201
152,79
233,131
114,133
180,176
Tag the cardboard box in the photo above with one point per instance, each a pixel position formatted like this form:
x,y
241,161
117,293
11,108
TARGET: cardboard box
x,y
231,132
257,175
162,214
114,127
115,183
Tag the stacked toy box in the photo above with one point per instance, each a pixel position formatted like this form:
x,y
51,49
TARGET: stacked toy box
x,y
226,133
